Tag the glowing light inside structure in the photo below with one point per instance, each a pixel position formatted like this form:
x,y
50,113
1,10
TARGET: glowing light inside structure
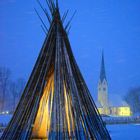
x,y
68,112
42,123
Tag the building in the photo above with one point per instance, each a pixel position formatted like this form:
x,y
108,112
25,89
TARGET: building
x,y
107,104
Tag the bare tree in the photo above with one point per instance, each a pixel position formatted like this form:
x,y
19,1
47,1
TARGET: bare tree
x,y
13,90
20,86
16,89
4,77
133,99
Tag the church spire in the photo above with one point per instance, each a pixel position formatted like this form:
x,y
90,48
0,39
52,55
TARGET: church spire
x,y
102,72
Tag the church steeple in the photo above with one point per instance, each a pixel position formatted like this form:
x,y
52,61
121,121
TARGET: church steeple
x,y
103,87
102,72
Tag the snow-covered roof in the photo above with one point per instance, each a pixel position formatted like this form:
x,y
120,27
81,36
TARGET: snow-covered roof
x,y
114,101
117,101
4,119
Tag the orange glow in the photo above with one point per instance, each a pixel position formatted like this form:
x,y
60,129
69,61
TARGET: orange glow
x,y
41,127
43,119
68,111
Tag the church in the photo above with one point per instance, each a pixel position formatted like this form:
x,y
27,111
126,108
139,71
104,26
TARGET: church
x,y
108,104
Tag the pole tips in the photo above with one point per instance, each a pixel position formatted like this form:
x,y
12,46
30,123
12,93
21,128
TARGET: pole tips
x,y
56,3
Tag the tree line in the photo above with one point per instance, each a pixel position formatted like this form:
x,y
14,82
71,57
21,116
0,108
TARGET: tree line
x,y
10,90
133,100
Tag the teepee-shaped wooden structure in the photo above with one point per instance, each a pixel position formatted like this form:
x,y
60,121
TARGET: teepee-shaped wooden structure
x,y
56,103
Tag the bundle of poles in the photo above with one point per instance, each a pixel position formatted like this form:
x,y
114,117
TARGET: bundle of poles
x,y
56,103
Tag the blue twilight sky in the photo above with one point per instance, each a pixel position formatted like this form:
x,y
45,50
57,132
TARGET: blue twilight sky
x,y
112,25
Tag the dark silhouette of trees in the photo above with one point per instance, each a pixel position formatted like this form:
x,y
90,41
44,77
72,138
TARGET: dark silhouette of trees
x,y
4,81
13,90
10,91
133,99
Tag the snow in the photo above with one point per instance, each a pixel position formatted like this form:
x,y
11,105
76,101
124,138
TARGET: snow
x,y
4,119
117,132
124,131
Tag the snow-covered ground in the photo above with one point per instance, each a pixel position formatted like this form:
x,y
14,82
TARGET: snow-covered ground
x,y
124,131
117,132
4,119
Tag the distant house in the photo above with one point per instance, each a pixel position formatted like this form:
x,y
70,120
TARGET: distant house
x,y
106,104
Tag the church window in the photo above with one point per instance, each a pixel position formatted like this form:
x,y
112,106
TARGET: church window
x,y
104,89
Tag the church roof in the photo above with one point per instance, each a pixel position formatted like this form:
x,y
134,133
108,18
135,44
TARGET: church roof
x,y
102,72
114,101
117,101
